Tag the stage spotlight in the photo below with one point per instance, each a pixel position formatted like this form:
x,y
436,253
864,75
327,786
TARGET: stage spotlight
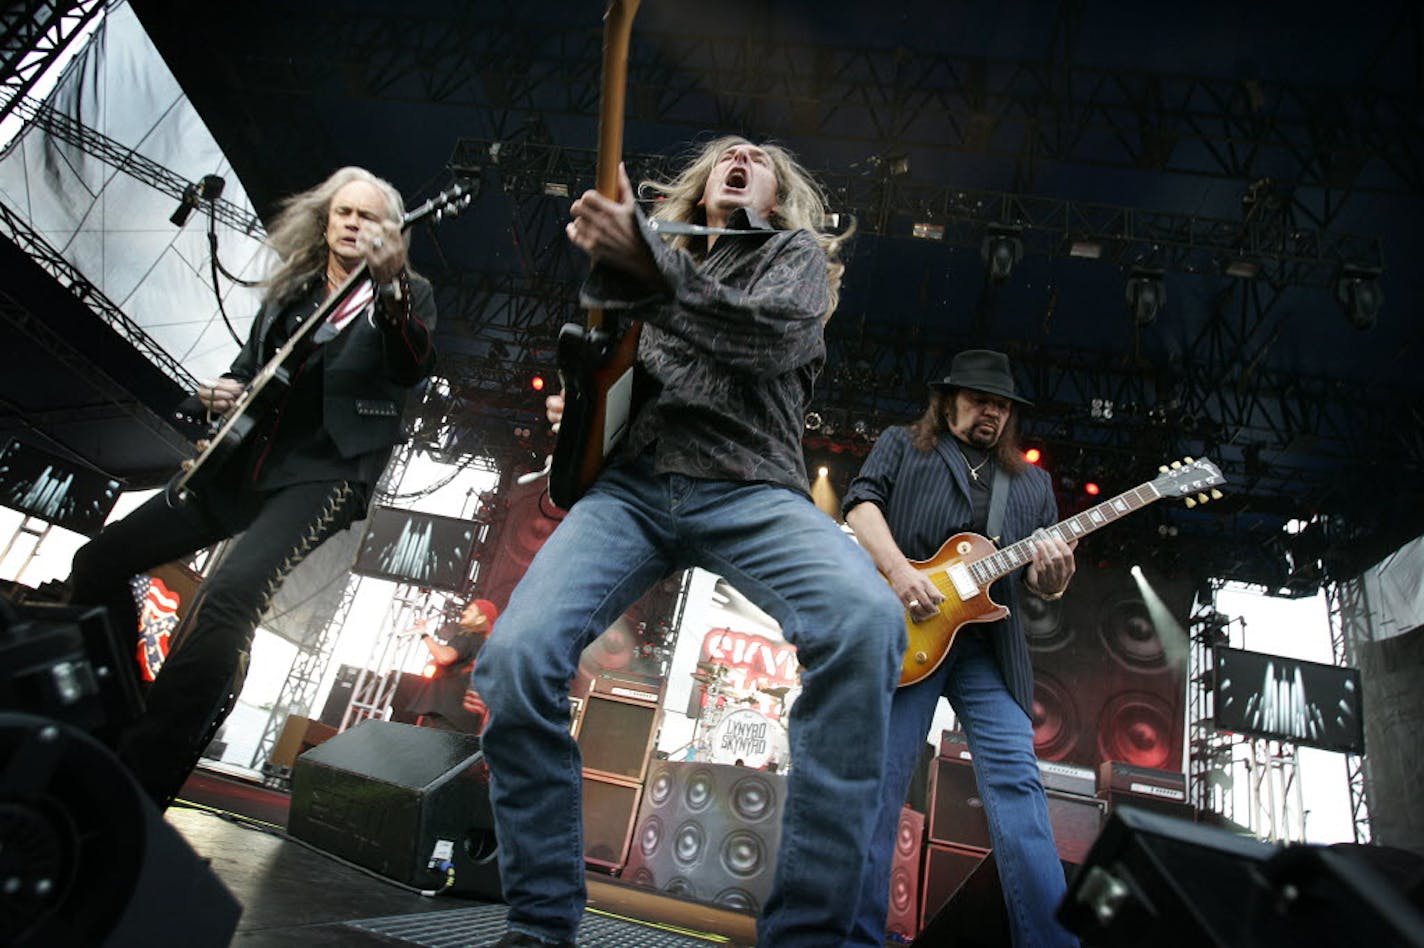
x,y
1145,294
1358,291
813,421
1001,249
1033,455
537,383
823,471
1092,489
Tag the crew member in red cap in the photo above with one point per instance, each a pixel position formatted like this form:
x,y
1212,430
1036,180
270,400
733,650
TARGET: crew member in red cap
x,y
445,701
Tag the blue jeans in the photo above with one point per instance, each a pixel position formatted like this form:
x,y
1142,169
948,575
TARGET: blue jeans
x,y
1000,737
782,553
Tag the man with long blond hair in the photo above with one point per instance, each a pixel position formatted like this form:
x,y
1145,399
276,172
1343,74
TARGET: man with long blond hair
x,y
305,473
712,475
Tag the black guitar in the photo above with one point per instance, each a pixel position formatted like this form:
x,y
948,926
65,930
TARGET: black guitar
x,y
271,382
596,363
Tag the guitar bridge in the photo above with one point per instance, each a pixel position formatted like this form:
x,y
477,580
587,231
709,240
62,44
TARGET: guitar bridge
x,y
964,584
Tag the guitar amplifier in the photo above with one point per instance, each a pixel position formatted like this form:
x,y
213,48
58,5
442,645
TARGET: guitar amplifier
x,y
629,686
1114,775
1068,778
952,744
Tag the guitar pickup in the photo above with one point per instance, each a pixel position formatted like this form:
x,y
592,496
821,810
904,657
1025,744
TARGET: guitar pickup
x,y
964,584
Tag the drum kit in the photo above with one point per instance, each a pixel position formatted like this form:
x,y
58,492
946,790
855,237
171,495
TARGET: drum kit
x,y
733,729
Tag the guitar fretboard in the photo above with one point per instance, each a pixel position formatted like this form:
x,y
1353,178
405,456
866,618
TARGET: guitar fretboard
x,y
1011,557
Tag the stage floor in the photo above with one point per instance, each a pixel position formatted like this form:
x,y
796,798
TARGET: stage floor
x,y
293,895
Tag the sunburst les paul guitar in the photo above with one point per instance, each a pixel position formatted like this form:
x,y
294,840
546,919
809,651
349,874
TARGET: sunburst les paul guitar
x,y
260,396
967,564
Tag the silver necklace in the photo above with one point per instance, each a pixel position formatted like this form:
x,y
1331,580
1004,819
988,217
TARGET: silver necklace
x,y
974,471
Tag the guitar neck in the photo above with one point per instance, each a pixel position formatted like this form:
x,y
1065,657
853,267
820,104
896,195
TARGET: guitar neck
x,y
1011,557
617,32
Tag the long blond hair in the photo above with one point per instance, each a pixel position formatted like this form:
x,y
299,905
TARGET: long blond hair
x,y
800,202
298,235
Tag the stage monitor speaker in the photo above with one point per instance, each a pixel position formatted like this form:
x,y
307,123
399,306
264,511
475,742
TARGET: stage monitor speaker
x,y
1154,880
615,736
87,858
609,807
410,803
903,919
709,832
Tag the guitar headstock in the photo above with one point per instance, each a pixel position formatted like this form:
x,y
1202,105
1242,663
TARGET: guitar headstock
x,y
1196,479
448,203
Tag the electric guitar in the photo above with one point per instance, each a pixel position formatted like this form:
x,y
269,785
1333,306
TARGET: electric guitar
x,y
271,382
596,362
967,564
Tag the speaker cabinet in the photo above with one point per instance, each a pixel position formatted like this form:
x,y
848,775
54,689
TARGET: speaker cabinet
x,y
615,737
1103,688
903,919
1076,822
407,802
956,816
709,832
609,807
946,868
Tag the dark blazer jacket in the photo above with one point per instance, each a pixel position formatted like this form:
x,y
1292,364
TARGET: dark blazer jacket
x,y
925,500
366,370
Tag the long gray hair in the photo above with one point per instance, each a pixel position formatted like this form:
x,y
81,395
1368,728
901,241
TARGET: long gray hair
x,y
298,235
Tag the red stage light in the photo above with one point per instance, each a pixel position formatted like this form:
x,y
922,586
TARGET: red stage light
x,y
1033,455
428,671
537,383
1091,489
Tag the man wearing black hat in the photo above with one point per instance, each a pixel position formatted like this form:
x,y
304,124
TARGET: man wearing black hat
x,y
922,484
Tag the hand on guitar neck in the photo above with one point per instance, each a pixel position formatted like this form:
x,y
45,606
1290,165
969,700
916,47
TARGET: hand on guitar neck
x,y
219,395
607,230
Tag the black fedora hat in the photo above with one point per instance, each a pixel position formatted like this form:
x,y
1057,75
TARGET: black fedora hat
x,y
983,370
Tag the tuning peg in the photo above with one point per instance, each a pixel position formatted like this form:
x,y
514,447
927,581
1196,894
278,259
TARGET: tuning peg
x,y
1189,460
1202,498
1190,503
1215,494
1176,465
1162,468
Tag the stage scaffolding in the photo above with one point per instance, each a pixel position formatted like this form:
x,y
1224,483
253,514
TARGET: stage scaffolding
x,y
1349,626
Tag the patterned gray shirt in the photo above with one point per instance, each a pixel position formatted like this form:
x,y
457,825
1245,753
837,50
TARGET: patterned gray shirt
x,y
734,344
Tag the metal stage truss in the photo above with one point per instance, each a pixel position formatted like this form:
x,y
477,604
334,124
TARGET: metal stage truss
x,y
1350,627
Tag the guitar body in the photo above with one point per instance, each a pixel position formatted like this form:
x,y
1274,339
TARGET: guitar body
x,y
931,639
228,438
967,565
596,371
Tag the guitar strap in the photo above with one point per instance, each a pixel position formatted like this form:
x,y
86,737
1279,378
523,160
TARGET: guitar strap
x,y
998,500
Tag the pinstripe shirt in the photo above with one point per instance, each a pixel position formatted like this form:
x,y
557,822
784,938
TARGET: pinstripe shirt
x,y
926,500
